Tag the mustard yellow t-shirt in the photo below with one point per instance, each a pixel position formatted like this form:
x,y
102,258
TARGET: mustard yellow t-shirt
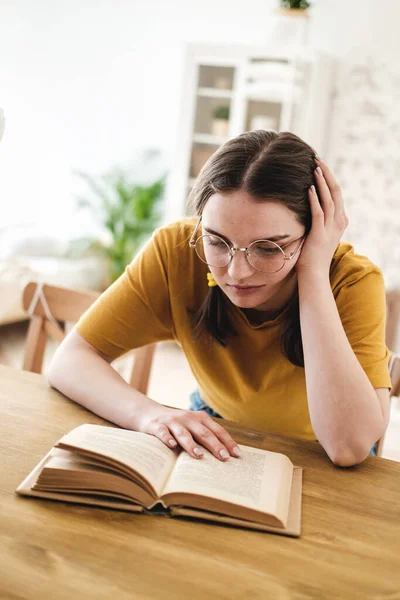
x,y
249,381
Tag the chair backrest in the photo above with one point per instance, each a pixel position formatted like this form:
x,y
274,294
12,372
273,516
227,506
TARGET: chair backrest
x,y
51,308
394,371
392,327
392,318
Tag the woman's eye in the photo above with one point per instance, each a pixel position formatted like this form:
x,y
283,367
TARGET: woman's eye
x,y
267,250
216,244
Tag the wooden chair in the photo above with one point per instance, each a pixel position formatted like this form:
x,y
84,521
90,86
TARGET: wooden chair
x,y
394,371
51,308
392,326
392,318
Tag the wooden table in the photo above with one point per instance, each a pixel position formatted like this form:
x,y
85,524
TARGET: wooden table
x,y
349,548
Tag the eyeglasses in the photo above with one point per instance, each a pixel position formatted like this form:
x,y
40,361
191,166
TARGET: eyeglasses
x,y
262,255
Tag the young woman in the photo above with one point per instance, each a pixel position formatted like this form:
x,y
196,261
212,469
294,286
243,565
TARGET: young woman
x,y
282,324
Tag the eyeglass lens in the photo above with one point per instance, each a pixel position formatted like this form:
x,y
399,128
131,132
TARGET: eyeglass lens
x,y
264,256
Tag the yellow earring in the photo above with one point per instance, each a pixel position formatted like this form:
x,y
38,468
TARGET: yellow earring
x,y
211,280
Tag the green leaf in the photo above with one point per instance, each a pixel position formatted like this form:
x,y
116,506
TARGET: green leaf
x,y
128,210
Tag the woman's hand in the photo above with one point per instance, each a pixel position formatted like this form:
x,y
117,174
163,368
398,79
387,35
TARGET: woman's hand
x,y
329,220
188,429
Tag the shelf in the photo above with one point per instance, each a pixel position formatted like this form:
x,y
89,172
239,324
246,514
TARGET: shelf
x,y
214,93
270,86
206,138
276,96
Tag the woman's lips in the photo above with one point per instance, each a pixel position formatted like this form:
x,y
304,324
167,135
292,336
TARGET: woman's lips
x,y
245,290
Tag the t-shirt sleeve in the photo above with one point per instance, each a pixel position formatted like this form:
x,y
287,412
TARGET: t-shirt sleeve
x,y
362,306
135,310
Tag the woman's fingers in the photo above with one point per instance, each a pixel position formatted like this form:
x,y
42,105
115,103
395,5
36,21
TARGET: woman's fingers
x,y
161,431
324,194
316,209
224,437
185,439
192,428
214,437
193,431
334,188
210,441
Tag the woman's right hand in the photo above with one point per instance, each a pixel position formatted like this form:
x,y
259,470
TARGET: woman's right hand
x,y
188,429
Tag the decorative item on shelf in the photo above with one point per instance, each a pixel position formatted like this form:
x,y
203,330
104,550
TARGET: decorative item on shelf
x,y
222,83
295,7
263,122
220,122
128,212
289,23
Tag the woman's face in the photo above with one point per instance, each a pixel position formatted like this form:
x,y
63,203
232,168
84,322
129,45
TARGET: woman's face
x,y
241,220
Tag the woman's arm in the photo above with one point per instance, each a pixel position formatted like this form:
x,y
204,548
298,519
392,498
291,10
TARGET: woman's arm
x,y
83,374
348,416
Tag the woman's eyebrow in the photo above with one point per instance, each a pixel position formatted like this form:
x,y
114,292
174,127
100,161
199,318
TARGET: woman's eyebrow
x,y
274,238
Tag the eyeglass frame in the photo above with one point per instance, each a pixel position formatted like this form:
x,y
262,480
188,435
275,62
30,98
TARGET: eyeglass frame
x,y
234,249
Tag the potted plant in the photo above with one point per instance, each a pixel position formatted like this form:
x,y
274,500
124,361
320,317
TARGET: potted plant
x,y
127,212
220,121
294,8
290,23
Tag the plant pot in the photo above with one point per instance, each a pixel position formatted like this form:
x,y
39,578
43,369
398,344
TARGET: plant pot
x,y
293,12
220,127
288,26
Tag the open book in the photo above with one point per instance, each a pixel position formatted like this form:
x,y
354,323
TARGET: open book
x,y
118,468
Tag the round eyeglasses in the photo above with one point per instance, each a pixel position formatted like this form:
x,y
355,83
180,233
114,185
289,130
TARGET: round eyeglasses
x,y
262,255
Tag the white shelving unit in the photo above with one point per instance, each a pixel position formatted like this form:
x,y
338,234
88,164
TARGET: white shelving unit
x,y
207,138
285,89
214,93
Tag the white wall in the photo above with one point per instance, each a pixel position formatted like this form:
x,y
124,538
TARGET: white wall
x,y
338,26
86,83
365,126
341,25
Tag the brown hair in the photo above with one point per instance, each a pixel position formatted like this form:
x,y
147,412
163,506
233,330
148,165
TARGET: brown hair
x,y
269,166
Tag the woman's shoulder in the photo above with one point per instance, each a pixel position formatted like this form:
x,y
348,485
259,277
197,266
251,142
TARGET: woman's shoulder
x,y
171,244
348,267
176,232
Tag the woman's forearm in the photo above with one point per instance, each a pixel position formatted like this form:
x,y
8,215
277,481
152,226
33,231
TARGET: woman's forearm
x,y
79,372
345,412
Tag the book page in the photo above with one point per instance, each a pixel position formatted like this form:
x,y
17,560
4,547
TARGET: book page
x,y
141,452
293,526
65,472
259,479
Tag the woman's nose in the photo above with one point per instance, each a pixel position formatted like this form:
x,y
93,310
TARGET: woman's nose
x,y
239,267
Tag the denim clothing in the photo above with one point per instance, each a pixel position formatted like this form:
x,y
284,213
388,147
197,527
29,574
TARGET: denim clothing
x,y
197,403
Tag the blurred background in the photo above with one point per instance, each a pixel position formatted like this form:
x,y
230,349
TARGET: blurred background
x,y
112,107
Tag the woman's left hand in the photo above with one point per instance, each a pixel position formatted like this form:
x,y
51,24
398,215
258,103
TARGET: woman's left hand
x,y
329,220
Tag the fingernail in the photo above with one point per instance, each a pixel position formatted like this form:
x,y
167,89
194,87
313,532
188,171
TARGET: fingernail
x,y
318,169
224,453
198,452
312,188
172,443
236,451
